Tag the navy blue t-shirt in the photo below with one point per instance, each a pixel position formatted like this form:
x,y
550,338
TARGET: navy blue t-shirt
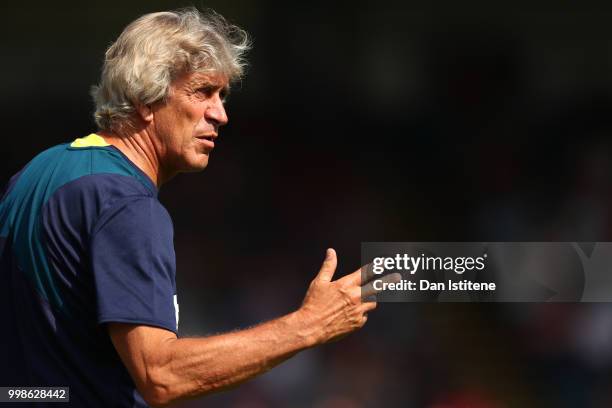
x,y
83,241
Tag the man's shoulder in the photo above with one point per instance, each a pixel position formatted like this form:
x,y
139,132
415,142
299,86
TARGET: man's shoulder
x,y
88,202
102,166
85,165
100,190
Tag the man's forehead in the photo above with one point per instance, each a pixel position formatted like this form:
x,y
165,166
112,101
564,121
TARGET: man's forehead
x,y
206,78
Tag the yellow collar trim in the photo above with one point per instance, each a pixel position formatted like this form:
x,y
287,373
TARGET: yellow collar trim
x,y
92,140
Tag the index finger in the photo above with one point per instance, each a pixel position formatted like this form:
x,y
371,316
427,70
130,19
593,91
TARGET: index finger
x,y
360,277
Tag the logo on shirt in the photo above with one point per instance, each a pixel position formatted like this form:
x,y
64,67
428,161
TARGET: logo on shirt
x,y
176,310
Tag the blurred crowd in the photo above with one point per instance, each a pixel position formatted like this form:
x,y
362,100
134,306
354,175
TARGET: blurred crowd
x,y
372,122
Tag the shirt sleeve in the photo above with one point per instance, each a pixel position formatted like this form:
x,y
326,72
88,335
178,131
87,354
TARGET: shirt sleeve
x,y
134,264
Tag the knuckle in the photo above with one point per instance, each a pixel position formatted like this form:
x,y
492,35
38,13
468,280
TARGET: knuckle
x,y
341,284
348,297
357,320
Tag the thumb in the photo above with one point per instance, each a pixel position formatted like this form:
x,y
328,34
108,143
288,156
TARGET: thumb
x,y
328,268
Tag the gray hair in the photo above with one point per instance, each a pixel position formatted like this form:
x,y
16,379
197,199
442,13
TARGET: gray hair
x,y
156,48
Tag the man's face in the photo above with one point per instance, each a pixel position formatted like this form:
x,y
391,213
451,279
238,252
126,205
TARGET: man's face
x,y
187,123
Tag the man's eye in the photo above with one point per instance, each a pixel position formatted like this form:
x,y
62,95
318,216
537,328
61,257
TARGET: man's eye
x,y
209,91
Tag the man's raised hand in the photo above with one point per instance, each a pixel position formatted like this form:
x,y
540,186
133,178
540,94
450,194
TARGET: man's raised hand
x,y
336,308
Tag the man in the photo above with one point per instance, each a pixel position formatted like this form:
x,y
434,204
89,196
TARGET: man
x,y
87,262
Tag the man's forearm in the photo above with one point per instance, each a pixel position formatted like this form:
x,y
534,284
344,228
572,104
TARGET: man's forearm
x,y
190,367
167,369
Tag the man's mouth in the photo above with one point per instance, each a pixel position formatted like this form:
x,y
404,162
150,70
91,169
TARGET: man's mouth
x,y
207,140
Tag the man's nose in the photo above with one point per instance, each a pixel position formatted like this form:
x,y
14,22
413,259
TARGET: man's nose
x,y
216,112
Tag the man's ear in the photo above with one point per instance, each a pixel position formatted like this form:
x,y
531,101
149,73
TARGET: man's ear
x,y
145,112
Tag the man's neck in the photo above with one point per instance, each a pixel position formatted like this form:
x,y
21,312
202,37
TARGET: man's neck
x,y
139,147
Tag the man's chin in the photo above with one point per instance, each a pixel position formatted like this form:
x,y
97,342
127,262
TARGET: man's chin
x,y
194,163
198,165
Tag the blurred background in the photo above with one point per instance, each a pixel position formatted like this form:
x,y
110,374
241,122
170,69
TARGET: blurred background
x,y
369,121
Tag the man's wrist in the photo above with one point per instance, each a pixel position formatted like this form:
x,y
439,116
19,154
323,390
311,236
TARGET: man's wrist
x,y
304,327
